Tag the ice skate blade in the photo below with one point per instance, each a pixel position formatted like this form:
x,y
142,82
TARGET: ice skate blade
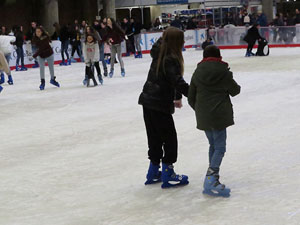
x,y
224,193
154,181
170,185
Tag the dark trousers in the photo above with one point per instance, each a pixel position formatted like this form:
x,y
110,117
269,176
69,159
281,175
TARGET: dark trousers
x,y
20,56
162,136
250,46
76,47
64,49
130,45
89,73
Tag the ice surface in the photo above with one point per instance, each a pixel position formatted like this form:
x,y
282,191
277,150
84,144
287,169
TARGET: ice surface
x,y
78,156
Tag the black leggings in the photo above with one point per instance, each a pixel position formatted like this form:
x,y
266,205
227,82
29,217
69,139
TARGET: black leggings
x,y
76,47
162,136
89,73
250,46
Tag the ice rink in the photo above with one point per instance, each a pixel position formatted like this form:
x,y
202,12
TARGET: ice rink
x,y
78,156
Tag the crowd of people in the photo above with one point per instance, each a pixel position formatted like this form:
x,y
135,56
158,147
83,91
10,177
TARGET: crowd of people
x,y
94,43
101,40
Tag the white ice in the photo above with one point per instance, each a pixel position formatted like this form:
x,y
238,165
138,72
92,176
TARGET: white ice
x,y
78,156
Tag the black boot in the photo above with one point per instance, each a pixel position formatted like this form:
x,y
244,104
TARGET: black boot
x,y
42,86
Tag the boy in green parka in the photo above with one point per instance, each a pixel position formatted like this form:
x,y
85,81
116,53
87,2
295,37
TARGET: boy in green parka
x,y
209,95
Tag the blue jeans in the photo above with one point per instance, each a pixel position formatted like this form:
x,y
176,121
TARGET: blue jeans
x,y
20,55
217,147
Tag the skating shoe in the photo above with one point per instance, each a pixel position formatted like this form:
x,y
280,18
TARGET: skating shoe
x,y
111,73
153,175
212,185
170,178
23,68
36,65
10,80
2,78
73,60
1,88
105,72
140,55
63,63
54,82
100,79
68,62
42,86
123,72
18,68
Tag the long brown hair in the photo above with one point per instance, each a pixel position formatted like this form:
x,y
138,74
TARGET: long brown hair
x,y
172,44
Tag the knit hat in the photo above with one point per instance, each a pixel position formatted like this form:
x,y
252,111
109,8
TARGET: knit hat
x,y
211,51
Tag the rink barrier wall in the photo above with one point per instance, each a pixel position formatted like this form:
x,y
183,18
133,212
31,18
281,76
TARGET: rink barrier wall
x,y
227,38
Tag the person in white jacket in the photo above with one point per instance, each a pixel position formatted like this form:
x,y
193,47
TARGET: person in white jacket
x,y
91,57
6,48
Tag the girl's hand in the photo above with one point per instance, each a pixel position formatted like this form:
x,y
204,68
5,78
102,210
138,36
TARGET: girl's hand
x,y
178,104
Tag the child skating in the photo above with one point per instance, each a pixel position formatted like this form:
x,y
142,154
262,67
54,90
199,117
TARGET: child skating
x,y
162,91
91,56
209,95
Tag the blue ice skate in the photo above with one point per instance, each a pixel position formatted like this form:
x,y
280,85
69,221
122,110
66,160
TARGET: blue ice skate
x,y
54,82
153,175
123,72
100,79
18,68
213,187
140,55
63,63
73,60
1,88
36,65
69,62
42,86
2,78
111,73
23,68
170,178
10,80
247,54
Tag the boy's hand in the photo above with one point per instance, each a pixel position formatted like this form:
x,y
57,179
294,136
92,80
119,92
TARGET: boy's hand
x,y
178,104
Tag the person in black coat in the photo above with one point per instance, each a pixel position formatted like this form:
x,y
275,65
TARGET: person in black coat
x,y
251,37
19,44
162,92
192,24
177,23
128,29
64,37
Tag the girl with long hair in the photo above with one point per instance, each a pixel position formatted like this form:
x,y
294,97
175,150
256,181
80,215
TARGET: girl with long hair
x,y
162,92
44,53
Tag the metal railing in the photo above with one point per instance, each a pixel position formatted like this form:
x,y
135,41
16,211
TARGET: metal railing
x,y
274,35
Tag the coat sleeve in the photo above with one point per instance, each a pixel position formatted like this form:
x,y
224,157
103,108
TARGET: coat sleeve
x,y
231,85
192,94
174,77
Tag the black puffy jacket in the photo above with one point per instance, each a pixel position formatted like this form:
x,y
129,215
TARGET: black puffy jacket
x,y
160,90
